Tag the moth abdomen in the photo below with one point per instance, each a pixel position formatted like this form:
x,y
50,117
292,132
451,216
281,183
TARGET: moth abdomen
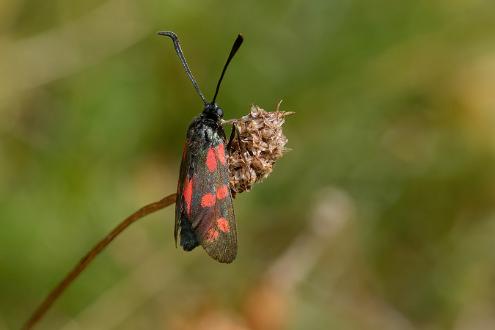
x,y
188,239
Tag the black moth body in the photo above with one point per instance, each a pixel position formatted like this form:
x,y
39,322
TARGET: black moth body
x,y
204,212
204,209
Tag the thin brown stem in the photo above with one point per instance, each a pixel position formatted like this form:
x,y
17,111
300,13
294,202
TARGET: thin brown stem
x,y
86,260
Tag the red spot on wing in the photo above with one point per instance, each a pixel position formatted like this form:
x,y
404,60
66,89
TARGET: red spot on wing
x,y
221,153
223,225
212,235
187,193
211,161
222,192
208,200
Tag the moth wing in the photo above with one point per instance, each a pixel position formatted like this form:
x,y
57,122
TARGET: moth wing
x,y
216,231
212,213
204,213
180,207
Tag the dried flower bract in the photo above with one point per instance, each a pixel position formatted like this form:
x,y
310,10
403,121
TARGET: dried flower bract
x,y
256,144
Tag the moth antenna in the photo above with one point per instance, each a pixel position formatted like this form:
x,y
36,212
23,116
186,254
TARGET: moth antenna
x,y
235,47
179,52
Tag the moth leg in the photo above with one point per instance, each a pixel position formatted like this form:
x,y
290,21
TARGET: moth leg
x,y
232,136
236,134
227,122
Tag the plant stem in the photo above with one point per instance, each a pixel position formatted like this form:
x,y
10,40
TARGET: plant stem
x,y
88,258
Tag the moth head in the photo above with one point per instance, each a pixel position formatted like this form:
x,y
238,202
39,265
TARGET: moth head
x,y
213,111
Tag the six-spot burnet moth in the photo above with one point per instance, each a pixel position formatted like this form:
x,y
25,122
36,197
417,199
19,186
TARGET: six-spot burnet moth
x,y
204,213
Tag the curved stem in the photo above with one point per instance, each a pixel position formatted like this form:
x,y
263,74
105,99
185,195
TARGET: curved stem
x,y
88,258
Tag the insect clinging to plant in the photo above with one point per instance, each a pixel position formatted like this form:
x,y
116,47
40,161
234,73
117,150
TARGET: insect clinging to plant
x,y
204,213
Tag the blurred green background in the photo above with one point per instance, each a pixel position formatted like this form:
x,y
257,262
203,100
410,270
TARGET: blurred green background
x,y
381,216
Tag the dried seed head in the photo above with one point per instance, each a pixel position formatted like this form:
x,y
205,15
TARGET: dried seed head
x,y
257,143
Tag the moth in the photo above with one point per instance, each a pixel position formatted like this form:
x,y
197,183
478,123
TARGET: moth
x,y
204,213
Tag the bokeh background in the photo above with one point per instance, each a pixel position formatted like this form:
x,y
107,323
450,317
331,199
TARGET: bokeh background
x,y
381,217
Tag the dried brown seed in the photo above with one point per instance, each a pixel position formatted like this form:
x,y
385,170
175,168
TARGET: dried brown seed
x,y
258,142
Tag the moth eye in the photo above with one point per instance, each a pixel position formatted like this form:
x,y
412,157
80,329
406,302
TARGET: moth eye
x,y
219,112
